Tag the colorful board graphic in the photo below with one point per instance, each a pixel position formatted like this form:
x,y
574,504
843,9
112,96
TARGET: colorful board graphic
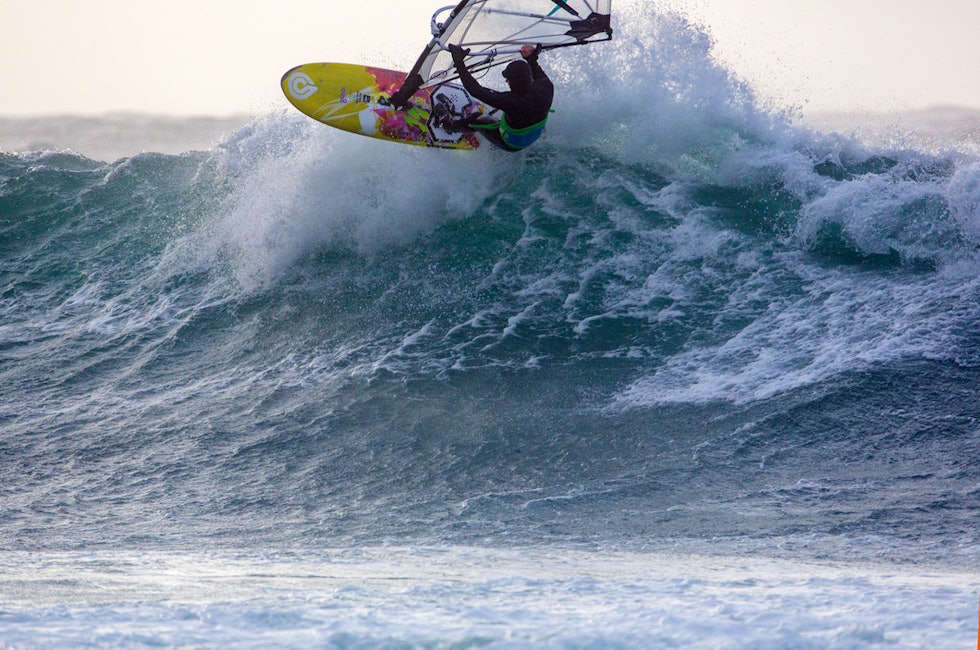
x,y
354,98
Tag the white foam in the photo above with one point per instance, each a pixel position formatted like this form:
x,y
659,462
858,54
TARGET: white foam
x,y
655,95
881,214
473,597
964,200
300,186
839,324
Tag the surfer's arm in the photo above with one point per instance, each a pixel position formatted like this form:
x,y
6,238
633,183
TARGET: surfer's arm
x,y
537,72
472,86
530,54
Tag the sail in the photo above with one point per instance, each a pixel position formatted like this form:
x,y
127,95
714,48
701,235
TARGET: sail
x,y
495,30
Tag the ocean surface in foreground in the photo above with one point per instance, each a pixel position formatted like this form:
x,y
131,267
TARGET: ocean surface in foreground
x,y
464,597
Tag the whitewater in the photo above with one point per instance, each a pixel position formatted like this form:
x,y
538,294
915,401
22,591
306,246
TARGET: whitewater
x,y
684,374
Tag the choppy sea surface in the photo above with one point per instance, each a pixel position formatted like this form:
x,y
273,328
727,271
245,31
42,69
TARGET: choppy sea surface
x,y
688,373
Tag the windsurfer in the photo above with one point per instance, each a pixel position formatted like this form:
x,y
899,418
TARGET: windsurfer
x,y
525,106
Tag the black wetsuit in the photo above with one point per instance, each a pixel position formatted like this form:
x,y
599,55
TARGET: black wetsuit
x,y
527,102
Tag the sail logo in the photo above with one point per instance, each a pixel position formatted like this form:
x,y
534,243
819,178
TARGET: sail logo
x,y
300,85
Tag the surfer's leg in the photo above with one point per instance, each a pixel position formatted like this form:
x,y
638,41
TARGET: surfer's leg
x,y
489,128
468,124
481,121
493,137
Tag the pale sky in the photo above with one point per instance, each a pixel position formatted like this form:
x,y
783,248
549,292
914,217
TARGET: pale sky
x,y
218,57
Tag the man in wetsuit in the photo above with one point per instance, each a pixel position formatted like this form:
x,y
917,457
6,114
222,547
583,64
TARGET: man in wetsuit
x,y
525,106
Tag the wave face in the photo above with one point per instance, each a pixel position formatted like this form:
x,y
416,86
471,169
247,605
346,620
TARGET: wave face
x,y
677,319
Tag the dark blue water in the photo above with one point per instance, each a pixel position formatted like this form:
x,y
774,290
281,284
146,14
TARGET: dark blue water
x,y
235,347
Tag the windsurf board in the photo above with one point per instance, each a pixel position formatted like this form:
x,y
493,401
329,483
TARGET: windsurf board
x,y
355,98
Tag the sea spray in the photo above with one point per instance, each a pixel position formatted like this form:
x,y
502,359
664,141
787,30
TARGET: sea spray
x,y
326,189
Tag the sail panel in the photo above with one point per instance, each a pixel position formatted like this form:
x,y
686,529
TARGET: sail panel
x,y
495,30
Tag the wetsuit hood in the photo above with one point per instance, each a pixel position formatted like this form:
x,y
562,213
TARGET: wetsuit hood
x,y
518,73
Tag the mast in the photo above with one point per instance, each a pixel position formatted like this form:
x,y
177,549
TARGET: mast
x,y
414,80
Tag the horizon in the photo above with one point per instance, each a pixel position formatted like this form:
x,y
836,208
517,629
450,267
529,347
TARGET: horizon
x,y
112,136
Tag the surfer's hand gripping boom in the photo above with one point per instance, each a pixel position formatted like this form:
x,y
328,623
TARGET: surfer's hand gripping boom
x,y
458,53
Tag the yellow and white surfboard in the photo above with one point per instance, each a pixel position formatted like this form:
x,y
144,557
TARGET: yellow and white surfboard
x,y
354,98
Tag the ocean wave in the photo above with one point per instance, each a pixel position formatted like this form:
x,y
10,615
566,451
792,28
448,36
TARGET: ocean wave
x,y
300,325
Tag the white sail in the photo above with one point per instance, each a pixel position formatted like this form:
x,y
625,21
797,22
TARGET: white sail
x,y
494,31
